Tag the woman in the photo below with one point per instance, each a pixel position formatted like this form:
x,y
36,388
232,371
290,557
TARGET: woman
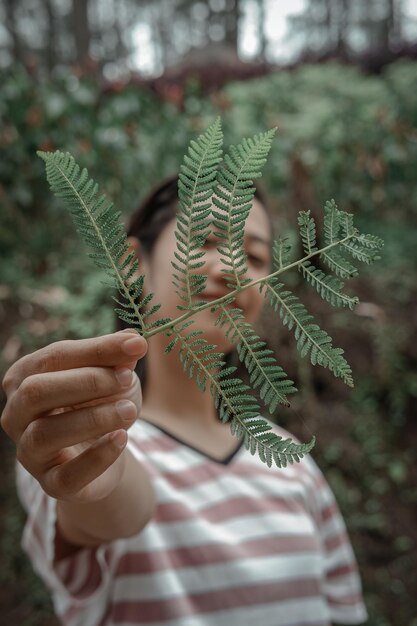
x,y
180,525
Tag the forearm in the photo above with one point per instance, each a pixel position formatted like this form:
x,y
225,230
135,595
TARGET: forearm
x,y
123,513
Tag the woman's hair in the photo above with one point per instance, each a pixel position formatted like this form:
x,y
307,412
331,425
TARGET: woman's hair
x,y
157,209
160,206
147,222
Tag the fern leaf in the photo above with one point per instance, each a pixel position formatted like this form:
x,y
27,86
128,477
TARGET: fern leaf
x,y
329,287
346,223
259,360
338,264
307,231
234,403
334,222
361,251
233,196
281,249
271,448
332,226
331,222
370,241
311,339
362,247
231,190
98,225
195,185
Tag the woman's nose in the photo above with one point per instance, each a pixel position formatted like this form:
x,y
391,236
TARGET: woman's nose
x,y
214,262
216,268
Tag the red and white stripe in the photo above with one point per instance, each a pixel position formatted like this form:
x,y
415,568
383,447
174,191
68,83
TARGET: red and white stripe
x,y
233,544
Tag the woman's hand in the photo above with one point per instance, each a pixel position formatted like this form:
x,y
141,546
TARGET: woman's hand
x,y
68,408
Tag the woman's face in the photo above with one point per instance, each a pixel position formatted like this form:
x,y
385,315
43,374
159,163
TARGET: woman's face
x,y
158,270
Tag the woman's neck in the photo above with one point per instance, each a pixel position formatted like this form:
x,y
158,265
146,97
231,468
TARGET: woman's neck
x,y
174,402
170,395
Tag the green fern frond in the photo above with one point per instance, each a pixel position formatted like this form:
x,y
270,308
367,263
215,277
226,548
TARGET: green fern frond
x,y
199,358
332,227
99,227
339,265
346,223
233,196
360,251
307,231
311,339
195,187
370,241
362,247
234,403
332,222
329,287
230,187
271,448
259,360
281,249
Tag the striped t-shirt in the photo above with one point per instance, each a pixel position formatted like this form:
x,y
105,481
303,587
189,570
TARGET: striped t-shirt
x,y
232,543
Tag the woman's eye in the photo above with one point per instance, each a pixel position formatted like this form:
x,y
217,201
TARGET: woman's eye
x,y
256,260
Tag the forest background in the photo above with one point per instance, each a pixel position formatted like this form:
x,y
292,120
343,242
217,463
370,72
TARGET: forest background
x,y
124,86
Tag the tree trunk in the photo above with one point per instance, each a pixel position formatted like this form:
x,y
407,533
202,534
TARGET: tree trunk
x,y
395,18
11,25
261,30
328,36
121,22
81,29
231,22
51,47
342,27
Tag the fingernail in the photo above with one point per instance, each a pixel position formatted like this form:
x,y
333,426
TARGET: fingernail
x,y
133,346
126,410
119,438
126,330
124,376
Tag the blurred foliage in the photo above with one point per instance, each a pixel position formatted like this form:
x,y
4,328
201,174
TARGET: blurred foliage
x,y
341,134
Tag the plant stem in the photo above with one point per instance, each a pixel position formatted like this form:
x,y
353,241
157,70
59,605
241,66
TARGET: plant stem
x,y
104,246
233,293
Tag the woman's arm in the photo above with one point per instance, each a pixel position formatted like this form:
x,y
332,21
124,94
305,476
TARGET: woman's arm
x,y
122,513
67,411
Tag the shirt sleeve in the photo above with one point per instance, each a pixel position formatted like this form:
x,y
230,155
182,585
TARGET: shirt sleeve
x,y
79,583
342,584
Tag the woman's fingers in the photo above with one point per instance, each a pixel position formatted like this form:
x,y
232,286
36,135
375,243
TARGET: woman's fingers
x,y
64,396
45,437
66,480
112,350
40,394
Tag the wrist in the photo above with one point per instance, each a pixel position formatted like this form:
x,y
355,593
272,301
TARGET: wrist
x,y
120,513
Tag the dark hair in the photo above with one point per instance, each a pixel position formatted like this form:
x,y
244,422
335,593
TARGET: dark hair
x,y
154,213
157,209
160,206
